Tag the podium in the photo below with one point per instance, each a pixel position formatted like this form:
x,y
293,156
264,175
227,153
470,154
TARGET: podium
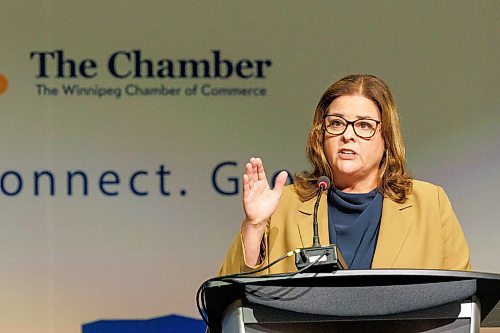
x,y
355,301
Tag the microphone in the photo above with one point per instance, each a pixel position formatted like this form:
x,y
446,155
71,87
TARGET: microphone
x,y
319,259
323,183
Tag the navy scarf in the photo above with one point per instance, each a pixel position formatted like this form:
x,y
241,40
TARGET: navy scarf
x,y
353,224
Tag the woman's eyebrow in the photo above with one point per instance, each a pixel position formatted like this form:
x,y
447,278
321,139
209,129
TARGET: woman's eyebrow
x,y
341,115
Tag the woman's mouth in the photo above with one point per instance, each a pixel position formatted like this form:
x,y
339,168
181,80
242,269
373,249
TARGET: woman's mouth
x,y
347,152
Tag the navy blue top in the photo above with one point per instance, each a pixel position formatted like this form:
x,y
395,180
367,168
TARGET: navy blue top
x,y
353,224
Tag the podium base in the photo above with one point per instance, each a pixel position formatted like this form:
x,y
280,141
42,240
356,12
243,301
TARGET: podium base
x,y
456,317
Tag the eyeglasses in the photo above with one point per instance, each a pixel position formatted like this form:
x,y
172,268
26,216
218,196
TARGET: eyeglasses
x,y
364,128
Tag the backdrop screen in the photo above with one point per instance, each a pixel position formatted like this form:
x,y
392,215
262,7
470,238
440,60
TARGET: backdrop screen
x,y
125,127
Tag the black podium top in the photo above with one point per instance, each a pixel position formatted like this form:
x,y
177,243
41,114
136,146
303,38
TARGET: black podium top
x,y
415,286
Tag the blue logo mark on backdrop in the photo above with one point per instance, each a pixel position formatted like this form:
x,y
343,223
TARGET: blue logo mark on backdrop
x,y
166,324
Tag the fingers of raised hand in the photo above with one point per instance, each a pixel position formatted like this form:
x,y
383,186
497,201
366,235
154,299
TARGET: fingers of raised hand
x,y
246,185
255,174
248,176
261,174
258,168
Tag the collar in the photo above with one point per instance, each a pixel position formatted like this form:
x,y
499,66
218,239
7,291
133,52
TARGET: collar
x,y
305,221
394,227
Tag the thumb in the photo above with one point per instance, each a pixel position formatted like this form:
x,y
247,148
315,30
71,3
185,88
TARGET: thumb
x,y
280,181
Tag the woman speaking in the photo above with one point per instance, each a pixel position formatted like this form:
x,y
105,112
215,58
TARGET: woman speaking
x,y
377,215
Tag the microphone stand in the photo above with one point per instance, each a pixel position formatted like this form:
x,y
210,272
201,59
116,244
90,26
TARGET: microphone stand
x,y
319,259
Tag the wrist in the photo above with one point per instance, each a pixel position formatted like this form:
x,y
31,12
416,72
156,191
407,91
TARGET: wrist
x,y
253,224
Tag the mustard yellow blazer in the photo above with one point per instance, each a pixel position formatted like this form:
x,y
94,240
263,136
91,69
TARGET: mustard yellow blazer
x,y
421,233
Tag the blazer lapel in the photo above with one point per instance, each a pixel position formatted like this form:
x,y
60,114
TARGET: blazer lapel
x,y
305,221
394,226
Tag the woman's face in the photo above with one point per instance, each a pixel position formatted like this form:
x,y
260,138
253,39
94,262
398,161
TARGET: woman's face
x,y
354,160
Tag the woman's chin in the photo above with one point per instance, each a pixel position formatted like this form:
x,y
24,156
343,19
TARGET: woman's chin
x,y
347,171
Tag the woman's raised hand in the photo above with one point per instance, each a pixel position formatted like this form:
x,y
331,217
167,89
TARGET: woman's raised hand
x,y
259,200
